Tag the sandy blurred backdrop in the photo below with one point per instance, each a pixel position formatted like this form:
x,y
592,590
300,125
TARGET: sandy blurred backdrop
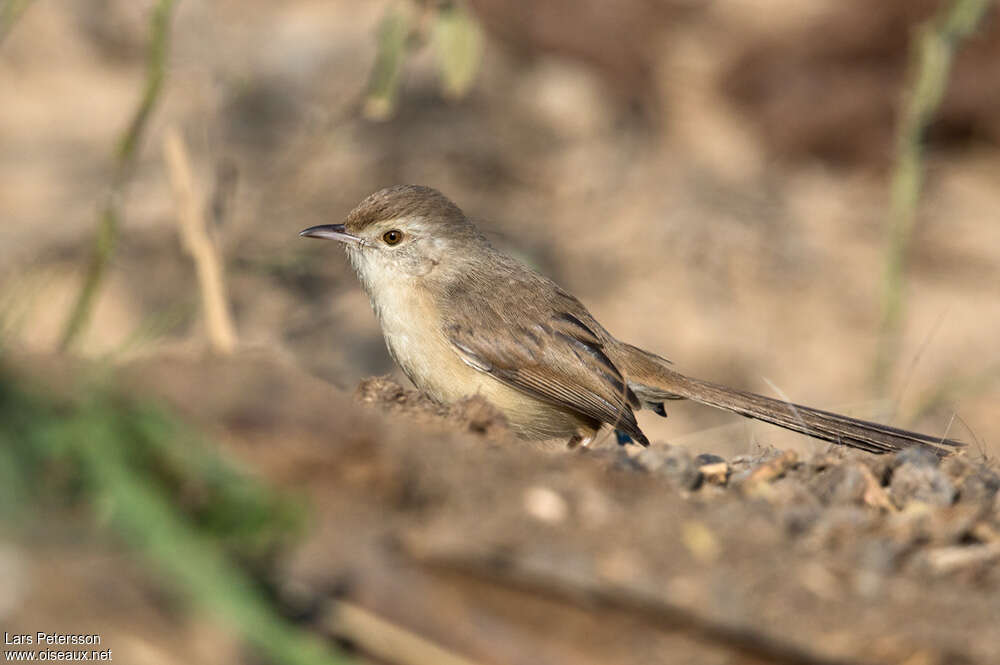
x,y
711,179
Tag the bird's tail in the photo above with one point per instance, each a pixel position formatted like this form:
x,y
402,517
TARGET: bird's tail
x,y
653,380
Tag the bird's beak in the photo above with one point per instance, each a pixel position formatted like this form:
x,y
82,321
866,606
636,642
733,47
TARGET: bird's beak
x,y
331,232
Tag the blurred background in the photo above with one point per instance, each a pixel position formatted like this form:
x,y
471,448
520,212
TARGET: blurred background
x,y
712,179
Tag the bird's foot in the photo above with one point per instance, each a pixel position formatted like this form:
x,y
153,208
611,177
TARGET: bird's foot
x,y
623,437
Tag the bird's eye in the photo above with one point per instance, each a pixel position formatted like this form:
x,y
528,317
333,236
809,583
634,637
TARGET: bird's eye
x,y
392,237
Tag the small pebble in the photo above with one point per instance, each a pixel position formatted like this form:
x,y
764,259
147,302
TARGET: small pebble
x,y
545,505
917,456
918,482
673,463
700,541
851,483
976,483
944,560
716,473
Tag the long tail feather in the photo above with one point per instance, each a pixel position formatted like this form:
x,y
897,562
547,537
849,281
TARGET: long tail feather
x,y
825,425
653,380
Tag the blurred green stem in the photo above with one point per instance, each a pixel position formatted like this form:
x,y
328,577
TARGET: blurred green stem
x,y
933,51
125,155
151,482
198,566
458,42
452,31
393,33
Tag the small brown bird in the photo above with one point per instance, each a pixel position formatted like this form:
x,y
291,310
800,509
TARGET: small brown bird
x,y
461,319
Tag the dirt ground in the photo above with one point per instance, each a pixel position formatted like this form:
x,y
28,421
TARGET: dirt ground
x,y
499,551
716,193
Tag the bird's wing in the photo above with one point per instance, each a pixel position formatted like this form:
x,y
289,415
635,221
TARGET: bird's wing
x,y
559,360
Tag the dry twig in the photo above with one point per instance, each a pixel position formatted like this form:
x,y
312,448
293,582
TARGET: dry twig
x,y
386,641
198,242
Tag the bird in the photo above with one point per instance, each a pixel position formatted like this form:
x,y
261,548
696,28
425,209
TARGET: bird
x,y
461,318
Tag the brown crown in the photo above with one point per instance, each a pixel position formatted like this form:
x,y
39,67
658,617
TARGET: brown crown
x,y
404,201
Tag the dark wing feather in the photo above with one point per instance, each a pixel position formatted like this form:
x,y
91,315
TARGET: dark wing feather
x,y
533,359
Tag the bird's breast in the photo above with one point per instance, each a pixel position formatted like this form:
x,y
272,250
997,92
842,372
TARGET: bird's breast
x,y
412,325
